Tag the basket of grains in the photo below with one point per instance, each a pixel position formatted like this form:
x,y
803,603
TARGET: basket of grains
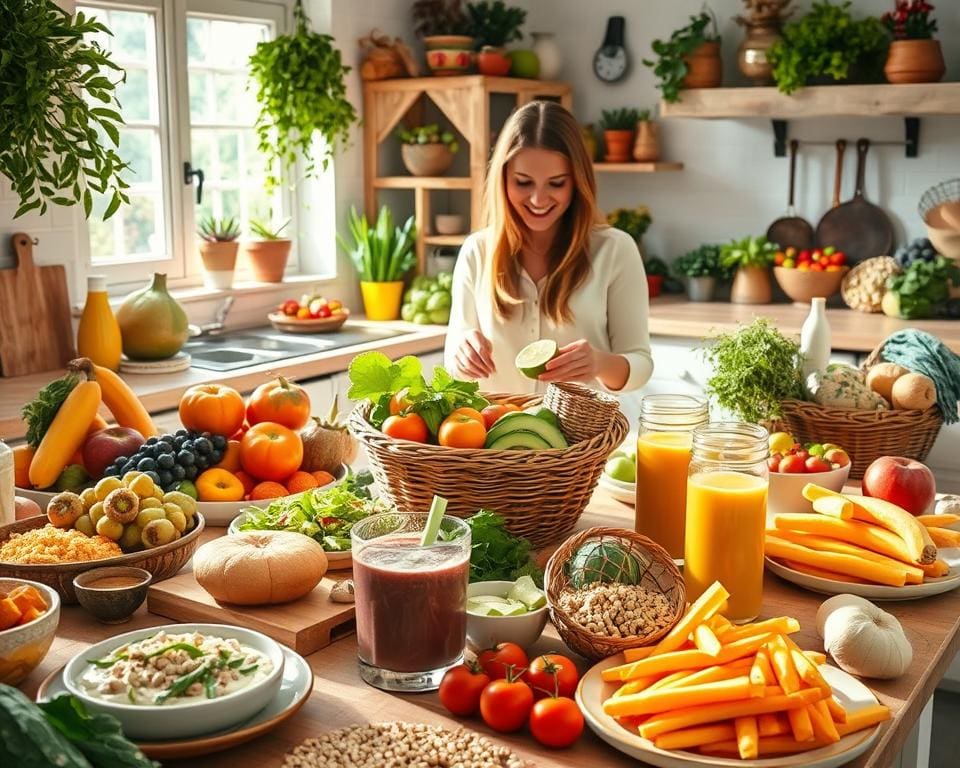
x,y
609,589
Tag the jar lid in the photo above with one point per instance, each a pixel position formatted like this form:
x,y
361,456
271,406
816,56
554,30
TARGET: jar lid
x,y
97,283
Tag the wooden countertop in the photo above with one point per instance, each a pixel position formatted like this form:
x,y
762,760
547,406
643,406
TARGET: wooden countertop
x,y
340,698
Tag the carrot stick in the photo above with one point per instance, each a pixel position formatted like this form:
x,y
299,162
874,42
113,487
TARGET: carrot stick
x,y
662,700
634,686
702,609
837,712
822,574
823,725
668,680
782,665
834,507
944,537
766,746
747,736
846,564
938,521
936,569
800,723
772,724
817,657
694,737
718,672
807,669
863,718
853,531
678,660
761,673
705,640
782,625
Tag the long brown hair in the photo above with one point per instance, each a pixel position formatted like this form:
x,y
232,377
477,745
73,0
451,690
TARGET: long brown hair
x,y
540,125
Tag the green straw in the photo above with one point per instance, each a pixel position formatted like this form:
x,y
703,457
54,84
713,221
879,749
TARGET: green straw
x,y
437,509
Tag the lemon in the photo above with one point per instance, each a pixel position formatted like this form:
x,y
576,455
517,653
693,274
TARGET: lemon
x,y
780,442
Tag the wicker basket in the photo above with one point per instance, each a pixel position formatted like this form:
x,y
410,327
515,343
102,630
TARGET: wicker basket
x,y
657,574
541,494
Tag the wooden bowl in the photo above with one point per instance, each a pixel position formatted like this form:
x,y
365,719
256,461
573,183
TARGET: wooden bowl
x,y
162,562
289,324
803,285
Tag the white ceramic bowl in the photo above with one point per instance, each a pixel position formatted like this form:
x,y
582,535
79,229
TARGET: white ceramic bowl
x,y
786,488
174,721
486,631
448,224
23,648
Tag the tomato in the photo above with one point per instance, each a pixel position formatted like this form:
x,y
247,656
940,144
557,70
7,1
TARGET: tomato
x,y
473,413
552,675
773,463
461,687
212,408
817,464
460,430
556,722
399,401
500,659
792,464
493,412
270,451
410,426
505,706
281,402
837,259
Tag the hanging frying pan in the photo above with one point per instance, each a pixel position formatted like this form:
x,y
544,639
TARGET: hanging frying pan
x,y
858,228
791,230
838,175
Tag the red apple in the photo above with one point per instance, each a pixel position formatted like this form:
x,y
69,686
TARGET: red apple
x,y
103,446
792,464
904,482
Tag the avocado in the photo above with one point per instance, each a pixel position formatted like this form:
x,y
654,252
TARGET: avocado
x,y
542,412
518,439
526,422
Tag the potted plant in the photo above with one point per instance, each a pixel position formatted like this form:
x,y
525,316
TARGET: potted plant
x,y
218,249
427,150
493,25
701,267
51,67
444,29
657,273
618,126
763,29
268,252
689,59
646,145
382,254
752,258
914,56
827,46
634,221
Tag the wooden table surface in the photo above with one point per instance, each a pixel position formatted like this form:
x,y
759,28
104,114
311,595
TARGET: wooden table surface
x,y
340,698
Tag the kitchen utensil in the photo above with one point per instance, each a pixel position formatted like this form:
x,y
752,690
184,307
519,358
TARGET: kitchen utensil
x,y
838,173
35,330
858,228
791,230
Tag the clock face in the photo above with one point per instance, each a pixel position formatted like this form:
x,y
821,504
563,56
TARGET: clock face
x,y
610,63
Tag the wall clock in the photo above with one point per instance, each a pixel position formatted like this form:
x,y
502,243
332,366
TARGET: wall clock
x,y
611,62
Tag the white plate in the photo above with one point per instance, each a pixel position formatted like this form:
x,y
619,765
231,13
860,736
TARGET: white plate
x,y
874,591
621,491
850,692
335,560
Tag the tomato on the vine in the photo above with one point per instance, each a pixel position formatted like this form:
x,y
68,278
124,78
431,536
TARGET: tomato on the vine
x,y
410,426
552,675
505,705
556,722
461,687
502,659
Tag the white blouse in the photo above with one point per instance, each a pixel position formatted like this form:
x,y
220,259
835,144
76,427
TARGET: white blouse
x,y
609,309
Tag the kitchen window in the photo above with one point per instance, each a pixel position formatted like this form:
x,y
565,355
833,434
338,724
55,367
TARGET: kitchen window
x,y
187,107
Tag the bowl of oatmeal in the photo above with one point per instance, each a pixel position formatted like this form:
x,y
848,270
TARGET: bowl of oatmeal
x,y
179,680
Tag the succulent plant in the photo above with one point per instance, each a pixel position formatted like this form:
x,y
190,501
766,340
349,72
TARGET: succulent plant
x,y
215,230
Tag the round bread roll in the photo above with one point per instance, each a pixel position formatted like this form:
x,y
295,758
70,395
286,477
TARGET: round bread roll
x,y
881,376
914,391
260,567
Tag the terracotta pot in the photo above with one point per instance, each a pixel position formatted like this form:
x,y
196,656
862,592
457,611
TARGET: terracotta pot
x,y
654,285
751,285
646,147
219,261
704,67
449,54
426,159
268,259
493,62
752,53
617,145
589,140
914,61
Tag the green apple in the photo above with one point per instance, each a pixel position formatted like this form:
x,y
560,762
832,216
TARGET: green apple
x,y
622,469
524,63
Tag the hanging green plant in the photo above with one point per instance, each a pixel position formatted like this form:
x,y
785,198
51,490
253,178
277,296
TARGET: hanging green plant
x,y
58,109
301,92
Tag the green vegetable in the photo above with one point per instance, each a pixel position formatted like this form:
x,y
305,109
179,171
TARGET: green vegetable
x,y
107,661
922,288
754,368
602,561
748,252
180,685
191,650
40,412
496,554
671,66
27,738
428,134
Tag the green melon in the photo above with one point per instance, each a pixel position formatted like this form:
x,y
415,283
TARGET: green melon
x,y
602,561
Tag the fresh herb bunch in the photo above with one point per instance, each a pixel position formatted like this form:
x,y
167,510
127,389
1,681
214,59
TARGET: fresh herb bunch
x,y
910,20
671,65
301,91
266,231
703,261
754,368
828,42
495,23
496,554
439,17
634,221
60,115
752,251
428,134
922,288
622,119
40,412
215,230
382,253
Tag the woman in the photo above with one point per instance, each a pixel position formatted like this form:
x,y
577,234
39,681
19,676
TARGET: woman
x,y
547,267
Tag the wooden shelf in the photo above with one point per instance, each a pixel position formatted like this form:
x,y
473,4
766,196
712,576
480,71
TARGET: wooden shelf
x,y
423,182
514,85
444,239
636,167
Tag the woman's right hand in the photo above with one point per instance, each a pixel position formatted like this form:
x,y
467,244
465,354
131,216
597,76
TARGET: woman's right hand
x,y
474,356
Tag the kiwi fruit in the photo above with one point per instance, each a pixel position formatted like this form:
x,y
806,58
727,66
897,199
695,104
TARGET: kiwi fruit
x,y
122,505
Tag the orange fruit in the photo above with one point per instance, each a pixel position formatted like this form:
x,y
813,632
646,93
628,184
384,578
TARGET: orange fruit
x,y
322,477
267,490
301,481
246,480
231,457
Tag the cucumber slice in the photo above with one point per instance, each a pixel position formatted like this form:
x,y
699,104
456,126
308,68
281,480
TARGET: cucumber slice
x,y
527,593
532,360
434,518
513,608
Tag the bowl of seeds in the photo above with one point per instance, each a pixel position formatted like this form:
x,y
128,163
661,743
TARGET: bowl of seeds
x,y
609,589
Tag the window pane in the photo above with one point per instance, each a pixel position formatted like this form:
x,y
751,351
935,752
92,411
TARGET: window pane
x,y
140,223
130,31
197,30
200,83
134,95
136,148
228,143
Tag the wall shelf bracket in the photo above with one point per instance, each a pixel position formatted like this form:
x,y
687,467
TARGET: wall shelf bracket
x,y
779,137
912,128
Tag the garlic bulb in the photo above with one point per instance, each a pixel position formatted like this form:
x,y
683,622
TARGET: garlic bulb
x,y
829,606
867,641
948,505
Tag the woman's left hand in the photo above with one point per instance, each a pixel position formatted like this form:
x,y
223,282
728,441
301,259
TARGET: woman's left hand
x,y
576,361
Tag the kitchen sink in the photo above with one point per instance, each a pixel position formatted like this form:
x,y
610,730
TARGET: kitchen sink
x,y
239,349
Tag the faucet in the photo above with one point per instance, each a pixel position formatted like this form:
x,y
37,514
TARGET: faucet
x,y
219,319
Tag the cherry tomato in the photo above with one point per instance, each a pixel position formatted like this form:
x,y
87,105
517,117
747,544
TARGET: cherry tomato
x,y
552,675
460,430
399,401
556,722
499,660
817,464
461,687
473,413
792,464
407,427
773,463
493,412
505,706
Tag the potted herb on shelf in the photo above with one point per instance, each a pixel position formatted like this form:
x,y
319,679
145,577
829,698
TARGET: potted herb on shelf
x,y
427,150
382,254
657,273
689,59
444,28
493,25
701,267
752,258
268,252
218,250
914,56
618,126
634,221
646,145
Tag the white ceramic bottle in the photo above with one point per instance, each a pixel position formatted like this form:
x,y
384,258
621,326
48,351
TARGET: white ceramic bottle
x,y
815,338
7,485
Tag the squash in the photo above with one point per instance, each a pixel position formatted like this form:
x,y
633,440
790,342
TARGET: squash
x,y
867,641
213,408
123,403
260,567
152,324
841,386
281,402
68,429
327,443
604,562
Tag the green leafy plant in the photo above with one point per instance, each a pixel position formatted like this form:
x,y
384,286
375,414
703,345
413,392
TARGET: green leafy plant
x,y
215,230
754,369
428,134
495,23
267,232
828,42
381,253
752,251
922,289
59,109
654,266
703,261
622,119
644,115
440,17
634,221
496,554
300,88
670,65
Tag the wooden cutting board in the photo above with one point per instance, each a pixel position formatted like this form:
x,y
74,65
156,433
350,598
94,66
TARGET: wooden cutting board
x,y
35,329
306,625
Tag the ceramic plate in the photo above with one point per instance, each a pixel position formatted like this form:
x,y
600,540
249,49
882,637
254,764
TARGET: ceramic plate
x,y
289,324
874,591
295,688
621,491
850,692
335,560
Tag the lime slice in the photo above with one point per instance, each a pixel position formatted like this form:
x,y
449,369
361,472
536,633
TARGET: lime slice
x,y
532,359
434,518
527,593
482,609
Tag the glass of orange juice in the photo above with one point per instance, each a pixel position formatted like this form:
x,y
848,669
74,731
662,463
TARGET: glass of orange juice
x,y
663,455
726,515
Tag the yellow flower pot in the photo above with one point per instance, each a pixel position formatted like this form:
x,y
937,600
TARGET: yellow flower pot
x,y
381,301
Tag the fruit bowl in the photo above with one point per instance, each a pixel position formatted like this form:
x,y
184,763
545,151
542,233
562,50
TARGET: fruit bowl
x,y
801,285
524,629
23,647
786,488
290,324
